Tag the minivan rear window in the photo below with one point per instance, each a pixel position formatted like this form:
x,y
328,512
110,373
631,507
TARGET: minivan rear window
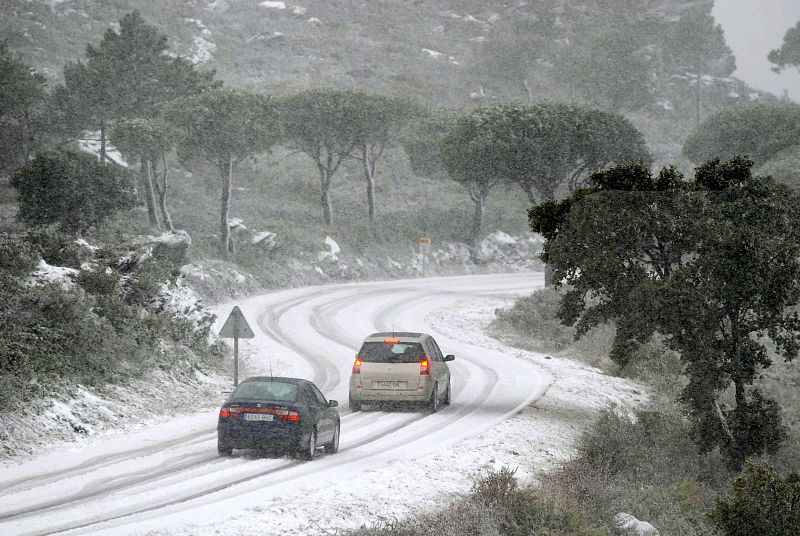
x,y
279,391
382,352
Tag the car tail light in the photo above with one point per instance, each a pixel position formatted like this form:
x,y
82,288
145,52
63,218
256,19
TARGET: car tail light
x,y
424,367
282,414
229,412
357,365
292,416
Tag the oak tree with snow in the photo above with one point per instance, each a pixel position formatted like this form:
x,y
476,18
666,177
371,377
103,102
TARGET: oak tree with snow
x,y
711,264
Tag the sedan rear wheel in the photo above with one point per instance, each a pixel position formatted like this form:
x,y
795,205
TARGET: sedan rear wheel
x,y
223,449
333,446
433,404
310,450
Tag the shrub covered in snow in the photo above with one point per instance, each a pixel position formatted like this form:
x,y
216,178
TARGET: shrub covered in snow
x,y
181,303
111,318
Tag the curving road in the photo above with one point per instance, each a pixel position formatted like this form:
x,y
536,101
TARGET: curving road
x,y
169,477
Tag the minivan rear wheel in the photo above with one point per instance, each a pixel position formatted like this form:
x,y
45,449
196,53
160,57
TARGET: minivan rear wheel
x,y
448,394
354,406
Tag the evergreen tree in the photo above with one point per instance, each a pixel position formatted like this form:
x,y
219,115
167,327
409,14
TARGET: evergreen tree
x,y
758,130
222,128
127,74
323,124
22,102
613,74
789,53
541,147
762,502
71,189
694,49
149,140
379,126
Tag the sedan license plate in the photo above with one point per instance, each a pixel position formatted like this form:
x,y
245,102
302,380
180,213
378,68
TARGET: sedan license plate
x,y
258,417
389,384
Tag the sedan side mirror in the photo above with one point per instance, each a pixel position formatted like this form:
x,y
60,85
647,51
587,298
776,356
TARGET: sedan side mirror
x,y
333,403
449,357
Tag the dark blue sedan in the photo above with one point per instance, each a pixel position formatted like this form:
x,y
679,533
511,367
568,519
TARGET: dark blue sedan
x,y
285,413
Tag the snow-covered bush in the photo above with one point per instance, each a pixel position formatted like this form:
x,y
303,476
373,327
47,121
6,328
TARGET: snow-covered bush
x,y
182,304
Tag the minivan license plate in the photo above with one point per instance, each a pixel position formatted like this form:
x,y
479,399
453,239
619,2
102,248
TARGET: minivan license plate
x,y
258,417
389,384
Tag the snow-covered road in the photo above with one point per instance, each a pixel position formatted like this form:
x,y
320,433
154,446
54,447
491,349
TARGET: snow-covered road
x,y
168,478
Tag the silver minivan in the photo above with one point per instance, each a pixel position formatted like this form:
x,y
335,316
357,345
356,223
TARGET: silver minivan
x,y
400,367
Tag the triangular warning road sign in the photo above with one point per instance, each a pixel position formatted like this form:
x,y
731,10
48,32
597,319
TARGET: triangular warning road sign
x,y
236,327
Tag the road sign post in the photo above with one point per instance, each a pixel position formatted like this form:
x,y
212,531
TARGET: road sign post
x,y
236,327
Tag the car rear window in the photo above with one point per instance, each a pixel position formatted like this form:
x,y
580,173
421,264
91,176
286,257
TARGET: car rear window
x,y
382,352
266,391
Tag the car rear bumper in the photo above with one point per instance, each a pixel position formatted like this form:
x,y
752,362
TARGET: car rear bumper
x,y
287,436
359,394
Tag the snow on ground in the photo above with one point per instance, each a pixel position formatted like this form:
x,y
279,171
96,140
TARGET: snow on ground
x,y
510,408
46,274
203,45
90,143
538,438
76,421
183,303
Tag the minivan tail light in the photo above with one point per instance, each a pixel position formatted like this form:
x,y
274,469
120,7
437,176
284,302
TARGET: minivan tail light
x,y
357,365
424,367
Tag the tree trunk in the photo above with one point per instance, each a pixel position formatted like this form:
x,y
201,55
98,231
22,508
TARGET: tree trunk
x,y
224,228
698,103
527,87
479,198
325,196
28,138
737,447
548,194
161,190
369,174
530,193
548,274
147,189
103,143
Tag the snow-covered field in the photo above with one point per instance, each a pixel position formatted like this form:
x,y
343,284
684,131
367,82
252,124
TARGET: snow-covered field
x,y
509,407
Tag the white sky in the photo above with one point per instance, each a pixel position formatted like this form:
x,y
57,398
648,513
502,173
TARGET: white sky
x,y
752,29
